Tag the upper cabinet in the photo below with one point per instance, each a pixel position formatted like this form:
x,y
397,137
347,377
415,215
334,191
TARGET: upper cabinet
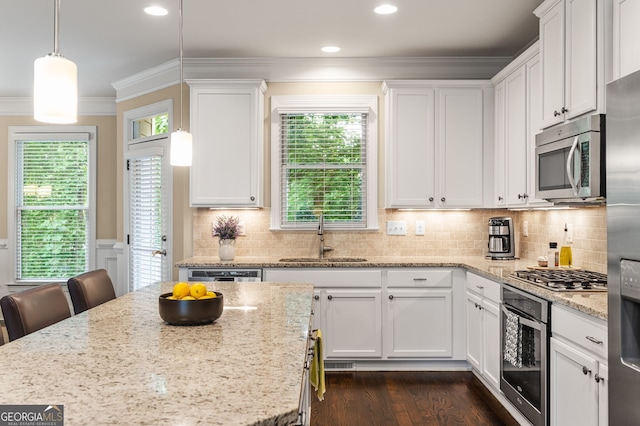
x,y
436,136
626,33
227,122
572,64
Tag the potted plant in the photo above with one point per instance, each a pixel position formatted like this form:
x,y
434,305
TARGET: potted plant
x,y
227,228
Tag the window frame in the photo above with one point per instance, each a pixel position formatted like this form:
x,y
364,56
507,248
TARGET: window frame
x,y
17,133
294,104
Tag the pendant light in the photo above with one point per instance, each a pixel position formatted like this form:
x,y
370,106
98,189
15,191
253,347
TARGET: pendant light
x,y
55,83
181,141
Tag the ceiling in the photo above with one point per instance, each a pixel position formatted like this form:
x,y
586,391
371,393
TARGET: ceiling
x,y
114,39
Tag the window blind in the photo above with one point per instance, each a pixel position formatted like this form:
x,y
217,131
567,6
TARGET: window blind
x,y
323,169
52,208
146,220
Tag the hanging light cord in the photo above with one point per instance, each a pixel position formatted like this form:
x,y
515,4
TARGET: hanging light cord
x,y
181,71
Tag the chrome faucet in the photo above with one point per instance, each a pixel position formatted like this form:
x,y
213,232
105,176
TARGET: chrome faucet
x,y
322,248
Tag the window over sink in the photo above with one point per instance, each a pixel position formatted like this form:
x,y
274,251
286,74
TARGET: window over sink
x,y
324,161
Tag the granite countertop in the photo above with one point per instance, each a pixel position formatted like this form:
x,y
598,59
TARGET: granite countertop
x,y
591,303
119,363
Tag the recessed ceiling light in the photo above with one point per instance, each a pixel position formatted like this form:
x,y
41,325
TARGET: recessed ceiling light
x,y
330,49
385,9
156,10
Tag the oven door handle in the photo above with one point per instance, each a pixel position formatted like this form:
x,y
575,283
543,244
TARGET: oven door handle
x,y
572,153
523,320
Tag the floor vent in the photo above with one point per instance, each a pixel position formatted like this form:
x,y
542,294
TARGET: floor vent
x,y
334,365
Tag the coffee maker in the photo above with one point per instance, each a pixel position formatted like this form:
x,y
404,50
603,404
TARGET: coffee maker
x,y
501,238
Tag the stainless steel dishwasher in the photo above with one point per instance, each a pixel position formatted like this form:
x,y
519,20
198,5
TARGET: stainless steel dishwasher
x,y
224,274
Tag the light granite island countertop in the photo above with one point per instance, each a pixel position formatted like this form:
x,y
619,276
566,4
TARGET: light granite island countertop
x,y
120,363
591,303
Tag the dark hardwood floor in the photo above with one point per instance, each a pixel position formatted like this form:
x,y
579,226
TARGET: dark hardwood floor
x,y
406,398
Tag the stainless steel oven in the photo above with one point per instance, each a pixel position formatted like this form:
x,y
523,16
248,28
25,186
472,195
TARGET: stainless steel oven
x,y
524,372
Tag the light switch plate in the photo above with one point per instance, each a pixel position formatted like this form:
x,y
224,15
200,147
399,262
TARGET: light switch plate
x,y
397,227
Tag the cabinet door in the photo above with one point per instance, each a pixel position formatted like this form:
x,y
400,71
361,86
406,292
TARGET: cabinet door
x,y
491,348
500,175
459,148
626,33
353,323
227,127
573,394
419,323
474,330
552,51
580,60
603,395
317,311
516,141
410,147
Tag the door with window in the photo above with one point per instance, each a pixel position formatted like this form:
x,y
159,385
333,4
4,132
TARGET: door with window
x,y
148,189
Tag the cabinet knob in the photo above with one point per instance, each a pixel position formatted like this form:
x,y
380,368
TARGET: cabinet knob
x,y
443,199
500,198
563,110
585,370
599,378
391,297
252,198
316,297
556,113
431,199
329,297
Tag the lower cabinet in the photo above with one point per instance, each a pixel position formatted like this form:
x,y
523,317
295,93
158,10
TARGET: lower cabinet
x,y
419,323
578,377
483,327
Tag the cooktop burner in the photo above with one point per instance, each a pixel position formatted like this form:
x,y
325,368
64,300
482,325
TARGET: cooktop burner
x,y
564,280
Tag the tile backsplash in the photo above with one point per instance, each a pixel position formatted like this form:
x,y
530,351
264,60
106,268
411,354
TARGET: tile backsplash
x,y
447,233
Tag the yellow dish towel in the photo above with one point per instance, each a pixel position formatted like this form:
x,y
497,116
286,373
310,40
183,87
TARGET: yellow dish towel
x,y
317,367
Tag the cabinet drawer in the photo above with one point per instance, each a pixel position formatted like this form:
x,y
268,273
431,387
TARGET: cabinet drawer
x,y
419,278
333,277
579,329
484,287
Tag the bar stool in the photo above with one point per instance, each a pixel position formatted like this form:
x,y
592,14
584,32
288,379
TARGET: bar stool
x,y
34,309
90,289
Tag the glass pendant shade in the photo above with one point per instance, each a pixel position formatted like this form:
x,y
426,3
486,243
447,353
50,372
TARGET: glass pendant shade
x,y
181,151
55,90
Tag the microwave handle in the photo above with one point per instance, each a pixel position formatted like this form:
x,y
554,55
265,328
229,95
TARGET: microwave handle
x,y
572,152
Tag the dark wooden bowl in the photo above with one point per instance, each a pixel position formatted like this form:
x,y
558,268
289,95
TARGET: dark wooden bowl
x,y
190,312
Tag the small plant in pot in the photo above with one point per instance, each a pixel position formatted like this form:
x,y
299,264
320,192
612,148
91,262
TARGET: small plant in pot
x,y
227,228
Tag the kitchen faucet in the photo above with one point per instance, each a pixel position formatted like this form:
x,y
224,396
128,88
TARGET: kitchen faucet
x,y
322,248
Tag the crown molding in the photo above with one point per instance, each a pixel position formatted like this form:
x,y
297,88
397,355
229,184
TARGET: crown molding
x,y
308,69
23,106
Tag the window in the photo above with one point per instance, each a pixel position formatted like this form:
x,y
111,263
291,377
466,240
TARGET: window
x,y
324,161
150,126
52,214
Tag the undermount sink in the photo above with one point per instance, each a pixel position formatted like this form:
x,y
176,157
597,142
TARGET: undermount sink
x,y
326,259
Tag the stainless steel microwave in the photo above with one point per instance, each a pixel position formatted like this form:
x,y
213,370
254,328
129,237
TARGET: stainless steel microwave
x,y
570,162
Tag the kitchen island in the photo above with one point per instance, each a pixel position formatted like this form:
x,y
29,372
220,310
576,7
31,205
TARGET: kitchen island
x,y
120,363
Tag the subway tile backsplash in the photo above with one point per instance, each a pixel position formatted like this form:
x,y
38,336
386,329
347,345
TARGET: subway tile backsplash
x,y
447,233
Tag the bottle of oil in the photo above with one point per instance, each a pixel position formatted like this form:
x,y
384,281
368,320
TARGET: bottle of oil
x,y
566,257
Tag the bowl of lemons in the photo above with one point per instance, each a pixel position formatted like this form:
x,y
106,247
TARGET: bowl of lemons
x,y
190,305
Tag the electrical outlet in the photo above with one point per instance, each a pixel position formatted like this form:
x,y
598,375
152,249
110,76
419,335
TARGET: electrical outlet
x,y
242,228
525,228
569,232
397,227
420,227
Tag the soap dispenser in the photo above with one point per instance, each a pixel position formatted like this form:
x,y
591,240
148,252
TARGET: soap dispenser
x,y
566,257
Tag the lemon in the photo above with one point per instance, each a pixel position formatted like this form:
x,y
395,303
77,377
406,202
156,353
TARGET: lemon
x,y
172,298
188,298
198,290
181,290
211,295
206,296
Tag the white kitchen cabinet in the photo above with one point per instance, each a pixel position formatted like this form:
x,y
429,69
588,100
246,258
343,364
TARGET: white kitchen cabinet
x,y
626,33
518,116
578,377
483,327
419,314
436,136
570,42
227,126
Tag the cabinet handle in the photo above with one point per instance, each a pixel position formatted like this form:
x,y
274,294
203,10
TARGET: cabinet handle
x,y
555,113
594,340
419,279
329,297
598,378
443,199
316,297
520,196
480,287
500,198
391,297
431,199
585,370
563,110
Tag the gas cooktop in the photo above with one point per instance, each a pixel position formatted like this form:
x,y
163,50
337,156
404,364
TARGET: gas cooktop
x,y
564,280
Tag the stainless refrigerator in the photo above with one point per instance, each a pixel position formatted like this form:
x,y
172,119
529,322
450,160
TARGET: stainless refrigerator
x,y
623,241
